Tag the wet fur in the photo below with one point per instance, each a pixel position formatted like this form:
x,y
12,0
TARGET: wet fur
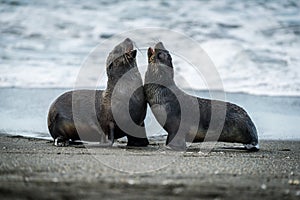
x,y
95,117
161,93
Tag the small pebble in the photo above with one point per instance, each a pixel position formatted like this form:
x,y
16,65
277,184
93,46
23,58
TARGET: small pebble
x,y
178,190
263,186
167,182
55,180
285,149
131,182
202,153
287,191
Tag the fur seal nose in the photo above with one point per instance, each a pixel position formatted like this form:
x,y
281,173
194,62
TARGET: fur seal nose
x,y
128,40
159,46
128,44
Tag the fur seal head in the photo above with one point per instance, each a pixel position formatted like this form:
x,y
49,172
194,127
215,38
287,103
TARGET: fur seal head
x,y
160,67
121,59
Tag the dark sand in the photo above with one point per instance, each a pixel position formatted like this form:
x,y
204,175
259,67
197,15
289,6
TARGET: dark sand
x,y
35,169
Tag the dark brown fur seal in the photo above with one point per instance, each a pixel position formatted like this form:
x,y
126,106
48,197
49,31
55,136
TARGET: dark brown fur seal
x,y
87,114
164,97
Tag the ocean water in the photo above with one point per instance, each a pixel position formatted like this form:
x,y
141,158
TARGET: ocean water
x,y
24,112
254,46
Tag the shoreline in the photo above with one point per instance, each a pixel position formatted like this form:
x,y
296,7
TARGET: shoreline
x,y
274,117
161,138
34,168
186,89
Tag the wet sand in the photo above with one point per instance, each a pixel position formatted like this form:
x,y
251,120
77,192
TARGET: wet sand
x,y
35,169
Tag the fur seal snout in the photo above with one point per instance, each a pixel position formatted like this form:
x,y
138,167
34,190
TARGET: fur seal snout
x,y
164,98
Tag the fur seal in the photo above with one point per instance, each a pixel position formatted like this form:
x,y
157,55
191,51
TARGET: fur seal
x,y
94,117
164,98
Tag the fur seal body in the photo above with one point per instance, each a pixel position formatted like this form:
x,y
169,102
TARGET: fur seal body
x,y
61,120
164,98
93,117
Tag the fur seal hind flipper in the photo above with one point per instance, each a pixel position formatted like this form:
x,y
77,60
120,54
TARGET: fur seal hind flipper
x,y
61,142
247,147
251,147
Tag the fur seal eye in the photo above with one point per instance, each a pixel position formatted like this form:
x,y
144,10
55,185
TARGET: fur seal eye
x,y
110,66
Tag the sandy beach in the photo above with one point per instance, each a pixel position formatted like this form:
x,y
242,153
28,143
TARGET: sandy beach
x,y
35,169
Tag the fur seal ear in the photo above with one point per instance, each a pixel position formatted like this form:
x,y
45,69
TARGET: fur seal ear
x,y
150,53
133,53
